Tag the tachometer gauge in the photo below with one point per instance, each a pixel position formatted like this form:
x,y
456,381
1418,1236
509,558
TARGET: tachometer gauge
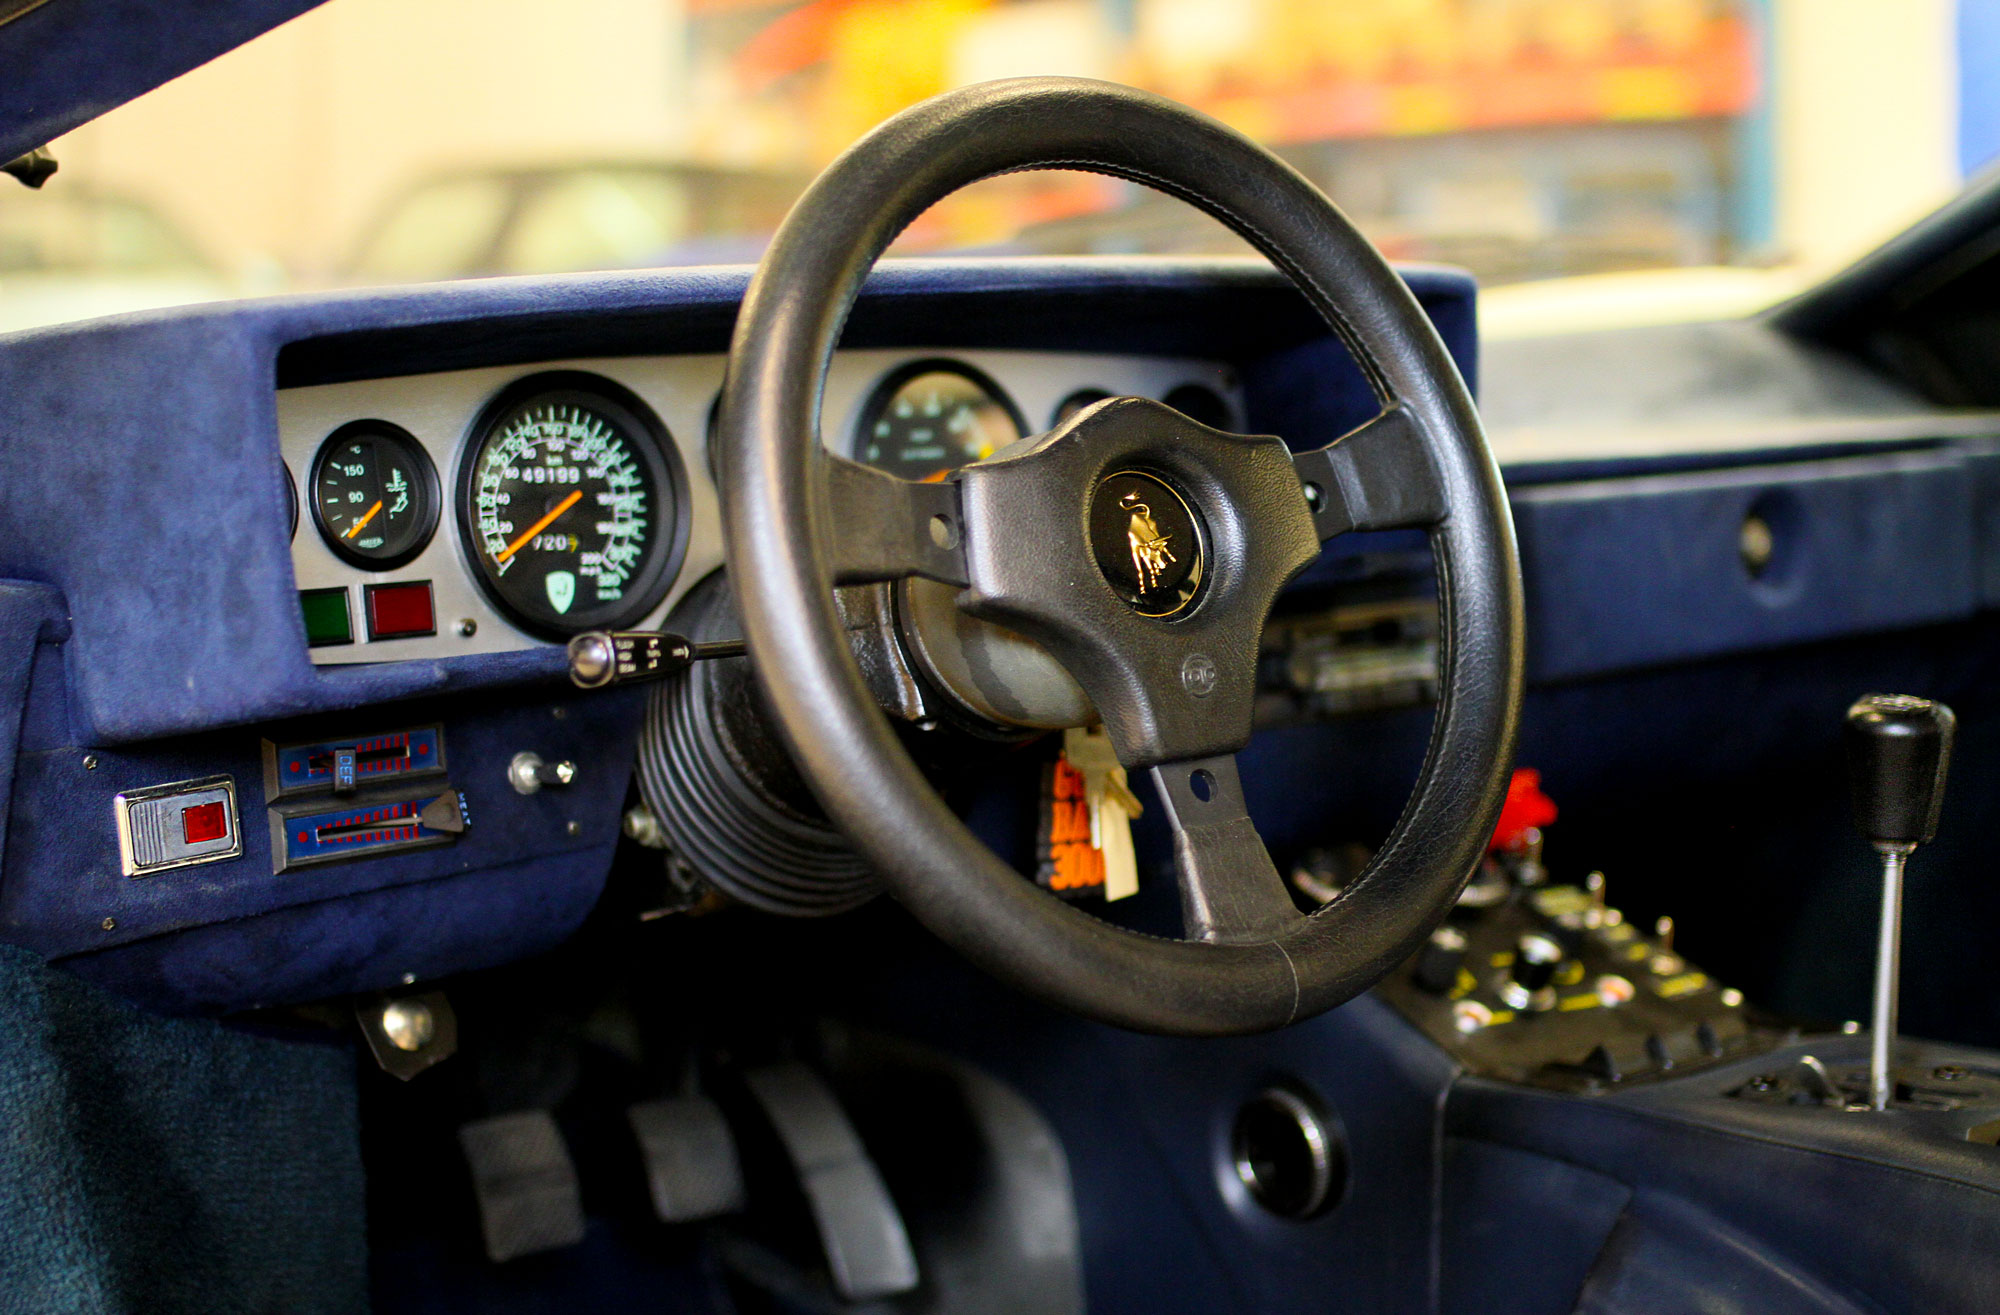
x,y
374,495
571,498
928,418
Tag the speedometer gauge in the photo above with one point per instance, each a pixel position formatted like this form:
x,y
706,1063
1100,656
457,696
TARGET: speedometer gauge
x,y
571,499
930,417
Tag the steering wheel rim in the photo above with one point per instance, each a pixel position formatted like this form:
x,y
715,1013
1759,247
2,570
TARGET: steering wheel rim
x,y
787,546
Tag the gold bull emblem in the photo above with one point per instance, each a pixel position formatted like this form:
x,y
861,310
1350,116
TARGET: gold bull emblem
x,y
1150,553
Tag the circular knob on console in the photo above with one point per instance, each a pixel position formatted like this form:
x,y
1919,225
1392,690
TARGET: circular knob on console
x,y
1535,960
1529,987
1438,962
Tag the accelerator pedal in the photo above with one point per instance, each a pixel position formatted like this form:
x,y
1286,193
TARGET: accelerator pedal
x,y
867,1246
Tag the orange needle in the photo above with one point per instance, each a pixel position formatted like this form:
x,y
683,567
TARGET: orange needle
x,y
575,496
355,528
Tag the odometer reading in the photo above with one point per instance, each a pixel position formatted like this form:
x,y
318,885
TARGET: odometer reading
x,y
570,507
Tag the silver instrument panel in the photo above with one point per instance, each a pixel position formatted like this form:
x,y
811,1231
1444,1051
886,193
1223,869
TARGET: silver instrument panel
x,y
439,411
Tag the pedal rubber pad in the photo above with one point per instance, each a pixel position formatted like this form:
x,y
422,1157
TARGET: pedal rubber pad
x,y
867,1246
525,1183
692,1170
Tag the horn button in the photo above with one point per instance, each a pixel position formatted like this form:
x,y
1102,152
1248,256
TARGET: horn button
x,y
1149,543
1143,551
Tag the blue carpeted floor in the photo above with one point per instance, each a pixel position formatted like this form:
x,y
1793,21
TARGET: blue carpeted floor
x,y
164,1165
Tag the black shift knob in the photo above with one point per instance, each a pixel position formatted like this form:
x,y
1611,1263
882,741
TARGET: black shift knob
x,y
1898,749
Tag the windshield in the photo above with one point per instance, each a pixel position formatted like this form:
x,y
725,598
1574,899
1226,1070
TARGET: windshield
x,y
1590,161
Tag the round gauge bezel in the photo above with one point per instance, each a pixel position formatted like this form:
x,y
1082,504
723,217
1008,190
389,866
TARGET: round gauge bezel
x,y
891,383
1223,414
428,494
1076,399
652,442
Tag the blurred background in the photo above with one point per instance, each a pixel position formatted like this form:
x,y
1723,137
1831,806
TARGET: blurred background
x,y
1592,161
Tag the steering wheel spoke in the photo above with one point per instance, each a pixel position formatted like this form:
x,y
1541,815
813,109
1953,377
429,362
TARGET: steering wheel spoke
x,y
1231,893
1377,477
884,528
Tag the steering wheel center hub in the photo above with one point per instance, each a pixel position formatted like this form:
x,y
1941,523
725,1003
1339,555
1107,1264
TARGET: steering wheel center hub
x,y
1148,541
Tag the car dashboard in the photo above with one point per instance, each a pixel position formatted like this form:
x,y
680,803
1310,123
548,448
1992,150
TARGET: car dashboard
x,y
234,612
286,731
289,600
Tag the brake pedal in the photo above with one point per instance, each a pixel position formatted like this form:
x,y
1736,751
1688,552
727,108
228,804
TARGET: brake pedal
x,y
692,1169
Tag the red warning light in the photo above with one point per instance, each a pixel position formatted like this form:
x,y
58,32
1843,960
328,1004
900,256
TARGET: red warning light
x,y
205,822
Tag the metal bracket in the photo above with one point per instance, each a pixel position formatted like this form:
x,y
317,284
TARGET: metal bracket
x,y
408,1033
37,166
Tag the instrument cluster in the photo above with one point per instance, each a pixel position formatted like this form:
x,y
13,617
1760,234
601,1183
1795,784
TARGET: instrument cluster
x,y
499,509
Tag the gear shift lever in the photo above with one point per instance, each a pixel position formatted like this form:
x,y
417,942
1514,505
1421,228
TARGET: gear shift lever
x,y
1898,749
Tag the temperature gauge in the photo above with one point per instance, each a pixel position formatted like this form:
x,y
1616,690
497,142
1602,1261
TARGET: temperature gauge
x,y
374,495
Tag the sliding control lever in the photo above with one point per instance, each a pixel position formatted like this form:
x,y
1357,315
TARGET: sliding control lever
x,y
1898,750
598,658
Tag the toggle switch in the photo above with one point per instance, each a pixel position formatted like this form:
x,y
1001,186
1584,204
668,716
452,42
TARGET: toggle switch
x,y
527,773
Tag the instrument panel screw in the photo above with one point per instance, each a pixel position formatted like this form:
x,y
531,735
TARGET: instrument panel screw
x,y
574,828
1948,1072
90,762
109,924
467,628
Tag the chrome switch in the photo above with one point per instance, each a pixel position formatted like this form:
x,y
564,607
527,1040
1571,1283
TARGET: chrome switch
x,y
178,825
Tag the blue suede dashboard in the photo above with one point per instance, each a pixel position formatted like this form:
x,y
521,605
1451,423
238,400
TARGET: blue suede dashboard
x,y
150,628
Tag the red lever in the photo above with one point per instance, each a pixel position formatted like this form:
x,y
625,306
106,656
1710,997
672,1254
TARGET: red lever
x,y
1526,809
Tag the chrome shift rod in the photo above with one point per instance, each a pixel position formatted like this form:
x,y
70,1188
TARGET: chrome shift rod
x,y
1898,751
1888,974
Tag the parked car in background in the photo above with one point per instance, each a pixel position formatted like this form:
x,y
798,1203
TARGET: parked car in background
x,y
472,223
69,254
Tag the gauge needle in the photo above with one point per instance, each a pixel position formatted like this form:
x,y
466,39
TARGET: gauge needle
x,y
355,528
575,496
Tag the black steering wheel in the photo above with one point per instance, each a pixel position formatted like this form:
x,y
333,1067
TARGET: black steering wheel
x,y
1143,550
